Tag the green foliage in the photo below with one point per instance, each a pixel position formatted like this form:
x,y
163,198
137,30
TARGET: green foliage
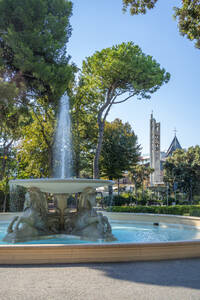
x,y
118,200
34,73
183,170
33,41
187,14
192,210
119,150
8,167
139,173
114,75
4,187
13,116
11,98
34,152
127,199
195,211
84,131
143,197
138,6
120,69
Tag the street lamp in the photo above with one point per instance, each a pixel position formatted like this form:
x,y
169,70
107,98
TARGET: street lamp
x,y
167,194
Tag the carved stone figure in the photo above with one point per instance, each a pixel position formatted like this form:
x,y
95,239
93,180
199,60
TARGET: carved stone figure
x,y
36,222
33,222
87,223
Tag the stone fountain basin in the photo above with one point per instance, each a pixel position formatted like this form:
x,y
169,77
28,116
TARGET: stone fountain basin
x,y
93,253
61,186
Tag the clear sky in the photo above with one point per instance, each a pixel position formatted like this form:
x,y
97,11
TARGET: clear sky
x,y
98,24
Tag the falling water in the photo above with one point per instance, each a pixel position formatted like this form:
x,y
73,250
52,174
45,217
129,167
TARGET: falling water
x,y
17,194
62,151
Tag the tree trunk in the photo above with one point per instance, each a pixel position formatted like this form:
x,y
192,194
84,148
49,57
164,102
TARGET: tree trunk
x,y
98,150
118,186
110,188
3,168
142,188
4,202
4,161
136,195
190,196
110,192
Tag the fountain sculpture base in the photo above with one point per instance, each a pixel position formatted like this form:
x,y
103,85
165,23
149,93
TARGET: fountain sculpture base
x,y
37,223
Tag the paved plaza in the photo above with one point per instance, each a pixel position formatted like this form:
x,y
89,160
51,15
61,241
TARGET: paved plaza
x,y
170,280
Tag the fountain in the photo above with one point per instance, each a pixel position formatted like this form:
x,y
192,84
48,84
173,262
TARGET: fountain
x,y
37,222
86,224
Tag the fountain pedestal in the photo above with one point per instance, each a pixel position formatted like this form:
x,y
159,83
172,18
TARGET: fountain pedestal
x,y
61,200
36,222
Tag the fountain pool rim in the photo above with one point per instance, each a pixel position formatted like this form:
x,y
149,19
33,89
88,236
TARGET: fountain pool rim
x,y
82,253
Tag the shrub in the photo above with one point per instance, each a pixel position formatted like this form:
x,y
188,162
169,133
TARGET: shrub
x,y
192,210
195,212
118,200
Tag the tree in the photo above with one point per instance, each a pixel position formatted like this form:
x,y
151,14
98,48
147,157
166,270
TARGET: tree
x,y
189,20
120,150
113,76
138,174
84,131
188,15
182,171
12,118
11,92
138,6
8,168
33,37
34,151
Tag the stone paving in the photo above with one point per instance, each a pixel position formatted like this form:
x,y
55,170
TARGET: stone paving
x,y
170,280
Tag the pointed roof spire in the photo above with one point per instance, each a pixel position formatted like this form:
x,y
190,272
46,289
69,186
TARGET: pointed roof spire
x,y
174,145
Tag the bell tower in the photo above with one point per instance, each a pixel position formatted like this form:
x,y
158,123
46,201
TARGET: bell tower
x,y
155,177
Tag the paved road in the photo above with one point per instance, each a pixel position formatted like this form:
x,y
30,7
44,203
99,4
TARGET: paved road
x,y
170,280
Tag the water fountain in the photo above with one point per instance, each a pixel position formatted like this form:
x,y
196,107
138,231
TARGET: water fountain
x,y
37,222
175,237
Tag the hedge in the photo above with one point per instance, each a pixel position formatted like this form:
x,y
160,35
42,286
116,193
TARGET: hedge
x,y
192,210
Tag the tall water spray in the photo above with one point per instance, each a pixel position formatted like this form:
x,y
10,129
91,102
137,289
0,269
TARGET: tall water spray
x,y
62,150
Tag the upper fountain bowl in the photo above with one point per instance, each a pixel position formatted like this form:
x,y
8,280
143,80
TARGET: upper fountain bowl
x,y
61,186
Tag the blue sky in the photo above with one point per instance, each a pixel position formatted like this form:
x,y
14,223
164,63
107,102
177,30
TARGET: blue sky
x,y
98,24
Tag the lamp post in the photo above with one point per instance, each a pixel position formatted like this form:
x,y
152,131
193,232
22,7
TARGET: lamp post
x,y
190,190
167,194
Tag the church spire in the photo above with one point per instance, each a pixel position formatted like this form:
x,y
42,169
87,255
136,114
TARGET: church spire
x,y
174,145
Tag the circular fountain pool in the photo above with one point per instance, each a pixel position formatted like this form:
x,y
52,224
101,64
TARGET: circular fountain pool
x,y
124,232
137,239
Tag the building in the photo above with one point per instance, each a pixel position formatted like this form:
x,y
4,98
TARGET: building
x,y
174,145
156,158
155,177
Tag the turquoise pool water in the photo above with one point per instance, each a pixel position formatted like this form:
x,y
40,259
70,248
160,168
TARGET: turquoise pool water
x,y
125,232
